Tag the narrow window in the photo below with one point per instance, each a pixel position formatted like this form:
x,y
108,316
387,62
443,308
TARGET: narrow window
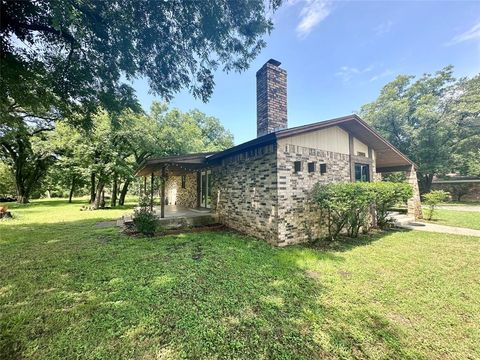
x,y
184,181
297,166
311,167
323,168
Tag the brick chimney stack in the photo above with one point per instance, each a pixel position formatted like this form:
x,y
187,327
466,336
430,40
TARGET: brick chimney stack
x,y
271,98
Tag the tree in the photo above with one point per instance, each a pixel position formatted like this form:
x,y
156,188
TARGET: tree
x,y
24,147
7,181
70,168
465,113
71,55
415,117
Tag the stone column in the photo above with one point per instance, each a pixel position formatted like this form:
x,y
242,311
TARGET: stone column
x,y
414,204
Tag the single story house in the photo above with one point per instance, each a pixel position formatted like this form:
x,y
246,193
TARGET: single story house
x,y
262,187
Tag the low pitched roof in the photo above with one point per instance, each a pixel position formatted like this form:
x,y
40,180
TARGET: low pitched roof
x,y
180,163
388,157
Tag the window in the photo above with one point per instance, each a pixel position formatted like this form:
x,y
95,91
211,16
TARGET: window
x,y
184,181
311,167
362,172
323,168
297,165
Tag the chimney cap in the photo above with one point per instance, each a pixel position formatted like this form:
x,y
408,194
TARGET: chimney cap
x,y
274,62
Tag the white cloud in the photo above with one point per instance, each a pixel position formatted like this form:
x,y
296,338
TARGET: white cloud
x,y
313,12
472,34
346,73
383,74
383,28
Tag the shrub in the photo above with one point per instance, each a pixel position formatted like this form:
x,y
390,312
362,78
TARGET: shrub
x,y
144,219
344,206
432,199
386,196
349,206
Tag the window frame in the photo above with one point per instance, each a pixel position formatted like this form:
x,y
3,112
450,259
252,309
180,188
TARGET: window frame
x,y
323,168
364,172
184,181
300,167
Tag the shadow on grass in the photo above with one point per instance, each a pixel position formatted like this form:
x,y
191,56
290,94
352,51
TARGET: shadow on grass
x,y
345,243
74,289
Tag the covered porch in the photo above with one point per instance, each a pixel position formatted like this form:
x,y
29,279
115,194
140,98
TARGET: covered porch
x,y
183,184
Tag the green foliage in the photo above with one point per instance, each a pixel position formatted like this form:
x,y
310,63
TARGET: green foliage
x,y
144,219
396,176
465,114
7,181
70,56
432,199
349,206
386,196
434,120
344,206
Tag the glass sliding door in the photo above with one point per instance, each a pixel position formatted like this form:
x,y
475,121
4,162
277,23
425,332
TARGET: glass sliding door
x,y
206,189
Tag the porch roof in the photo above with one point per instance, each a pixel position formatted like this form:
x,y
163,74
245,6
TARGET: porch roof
x,y
174,165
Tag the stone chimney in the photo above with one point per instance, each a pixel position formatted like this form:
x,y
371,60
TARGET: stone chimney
x,y
271,98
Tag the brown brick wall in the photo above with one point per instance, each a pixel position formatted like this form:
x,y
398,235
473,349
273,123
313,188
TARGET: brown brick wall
x,y
271,99
298,216
244,193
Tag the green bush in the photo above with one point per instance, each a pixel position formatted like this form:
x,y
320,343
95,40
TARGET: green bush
x,y
344,206
349,206
144,219
432,199
388,195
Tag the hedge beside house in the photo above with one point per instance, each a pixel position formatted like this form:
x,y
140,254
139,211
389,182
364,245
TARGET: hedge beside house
x,y
355,207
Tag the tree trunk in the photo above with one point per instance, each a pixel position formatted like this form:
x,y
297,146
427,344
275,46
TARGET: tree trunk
x,y
428,182
114,191
92,188
123,193
72,188
22,192
98,195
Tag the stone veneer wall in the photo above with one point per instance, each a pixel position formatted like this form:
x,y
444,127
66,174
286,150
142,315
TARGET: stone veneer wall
x,y
244,193
414,205
185,197
298,216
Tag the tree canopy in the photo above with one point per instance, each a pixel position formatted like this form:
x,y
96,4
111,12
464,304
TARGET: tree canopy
x,y
61,56
434,120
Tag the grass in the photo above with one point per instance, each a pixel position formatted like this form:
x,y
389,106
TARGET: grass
x,y
70,289
466,219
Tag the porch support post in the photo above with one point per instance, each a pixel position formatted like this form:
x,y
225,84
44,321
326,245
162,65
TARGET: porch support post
x,y
414,204
151,192
351,153
199,179
162,199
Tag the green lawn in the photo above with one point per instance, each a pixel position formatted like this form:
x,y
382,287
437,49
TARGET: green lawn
x,y
69,289
466,219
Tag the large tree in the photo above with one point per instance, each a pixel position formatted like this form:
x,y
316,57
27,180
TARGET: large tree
x,y
77,51
422,117
465,113
63,59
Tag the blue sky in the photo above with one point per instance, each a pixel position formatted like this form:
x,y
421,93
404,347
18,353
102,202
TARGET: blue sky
x,y
339,54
